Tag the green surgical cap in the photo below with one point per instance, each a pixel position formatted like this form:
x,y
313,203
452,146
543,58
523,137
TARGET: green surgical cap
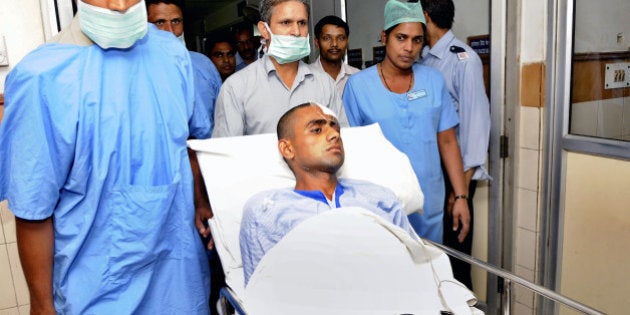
x,y
397,12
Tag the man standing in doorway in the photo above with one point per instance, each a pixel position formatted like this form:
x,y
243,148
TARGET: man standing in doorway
x,y
463,72
331,38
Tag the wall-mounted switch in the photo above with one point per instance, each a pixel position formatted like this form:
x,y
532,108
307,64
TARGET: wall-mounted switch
x,y
4,57
617,75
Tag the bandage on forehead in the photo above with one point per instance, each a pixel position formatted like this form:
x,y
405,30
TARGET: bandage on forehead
x,y
397,12
326,110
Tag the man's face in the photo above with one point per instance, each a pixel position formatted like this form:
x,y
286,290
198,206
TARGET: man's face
x,y
332,43
167,17
245,45
287,18
223,57
403,45
116,5
316,141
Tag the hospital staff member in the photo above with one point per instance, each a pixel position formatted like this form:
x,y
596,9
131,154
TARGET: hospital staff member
x,y
252,100
413,107
463,72
94,165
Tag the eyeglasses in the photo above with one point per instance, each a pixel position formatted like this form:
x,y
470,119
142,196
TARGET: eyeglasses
x,y
174,22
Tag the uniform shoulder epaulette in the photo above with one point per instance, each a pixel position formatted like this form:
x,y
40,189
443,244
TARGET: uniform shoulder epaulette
x,y
459,51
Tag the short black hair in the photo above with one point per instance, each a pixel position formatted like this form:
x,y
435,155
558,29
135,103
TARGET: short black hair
x,y
331,19
284,129
441,12
266,8
219,37
178,3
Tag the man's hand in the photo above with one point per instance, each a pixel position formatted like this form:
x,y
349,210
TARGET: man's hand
x,y
461,213
202,214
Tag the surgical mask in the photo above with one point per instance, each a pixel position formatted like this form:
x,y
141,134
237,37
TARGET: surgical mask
x,y
182,39
287,48
113,29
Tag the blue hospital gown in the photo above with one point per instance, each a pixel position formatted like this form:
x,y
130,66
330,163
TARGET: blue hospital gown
x,y
270,215
97,139
411,122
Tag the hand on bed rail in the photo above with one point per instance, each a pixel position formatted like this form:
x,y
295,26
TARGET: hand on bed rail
x,y
203,211
461,218
202,214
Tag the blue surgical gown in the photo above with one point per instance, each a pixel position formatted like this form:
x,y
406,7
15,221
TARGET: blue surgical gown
x,y
207,85
411,122
97,139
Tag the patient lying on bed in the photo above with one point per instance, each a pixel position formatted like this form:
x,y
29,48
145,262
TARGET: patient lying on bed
x,y
310,143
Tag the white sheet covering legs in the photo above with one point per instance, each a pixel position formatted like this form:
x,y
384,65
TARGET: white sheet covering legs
x,y
350,261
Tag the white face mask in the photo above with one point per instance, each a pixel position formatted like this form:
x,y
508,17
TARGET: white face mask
x,y
182,39
287,48
113,29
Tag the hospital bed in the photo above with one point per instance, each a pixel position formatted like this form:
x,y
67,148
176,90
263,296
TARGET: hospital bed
x,y
340,262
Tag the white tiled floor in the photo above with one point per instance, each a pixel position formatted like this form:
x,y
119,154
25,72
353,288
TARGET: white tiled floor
x,y
527,209
7,291
526,248
10,311
584,118
528,169
8,223
13,289
529,135
609,119
19,282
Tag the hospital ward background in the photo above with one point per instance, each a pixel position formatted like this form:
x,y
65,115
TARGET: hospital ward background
x,y
557,75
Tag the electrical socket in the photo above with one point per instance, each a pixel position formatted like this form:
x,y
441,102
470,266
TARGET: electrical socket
x,y
617,75
4,57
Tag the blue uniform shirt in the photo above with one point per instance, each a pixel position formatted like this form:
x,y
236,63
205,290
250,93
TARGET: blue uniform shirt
x,y
207,87
463,73
97,139
411,122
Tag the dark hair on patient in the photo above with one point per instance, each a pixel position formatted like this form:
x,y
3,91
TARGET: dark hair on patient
x,y
333,20
442,12
284,129
178,3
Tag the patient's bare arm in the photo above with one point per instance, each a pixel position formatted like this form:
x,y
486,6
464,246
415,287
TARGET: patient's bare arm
x,y
203,211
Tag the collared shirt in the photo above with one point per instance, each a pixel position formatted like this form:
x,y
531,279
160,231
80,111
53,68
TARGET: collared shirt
x,y
252,100
341,79
411,122
270,215
464,79
97,139
72,35
240,63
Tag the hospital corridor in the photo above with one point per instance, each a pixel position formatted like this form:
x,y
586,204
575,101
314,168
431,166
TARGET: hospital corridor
x,y
551,227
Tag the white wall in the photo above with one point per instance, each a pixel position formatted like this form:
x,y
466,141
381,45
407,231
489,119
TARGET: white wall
x,y
597,24
21,25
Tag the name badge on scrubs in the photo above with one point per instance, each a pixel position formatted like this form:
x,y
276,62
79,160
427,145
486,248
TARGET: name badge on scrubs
x,y
416,94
